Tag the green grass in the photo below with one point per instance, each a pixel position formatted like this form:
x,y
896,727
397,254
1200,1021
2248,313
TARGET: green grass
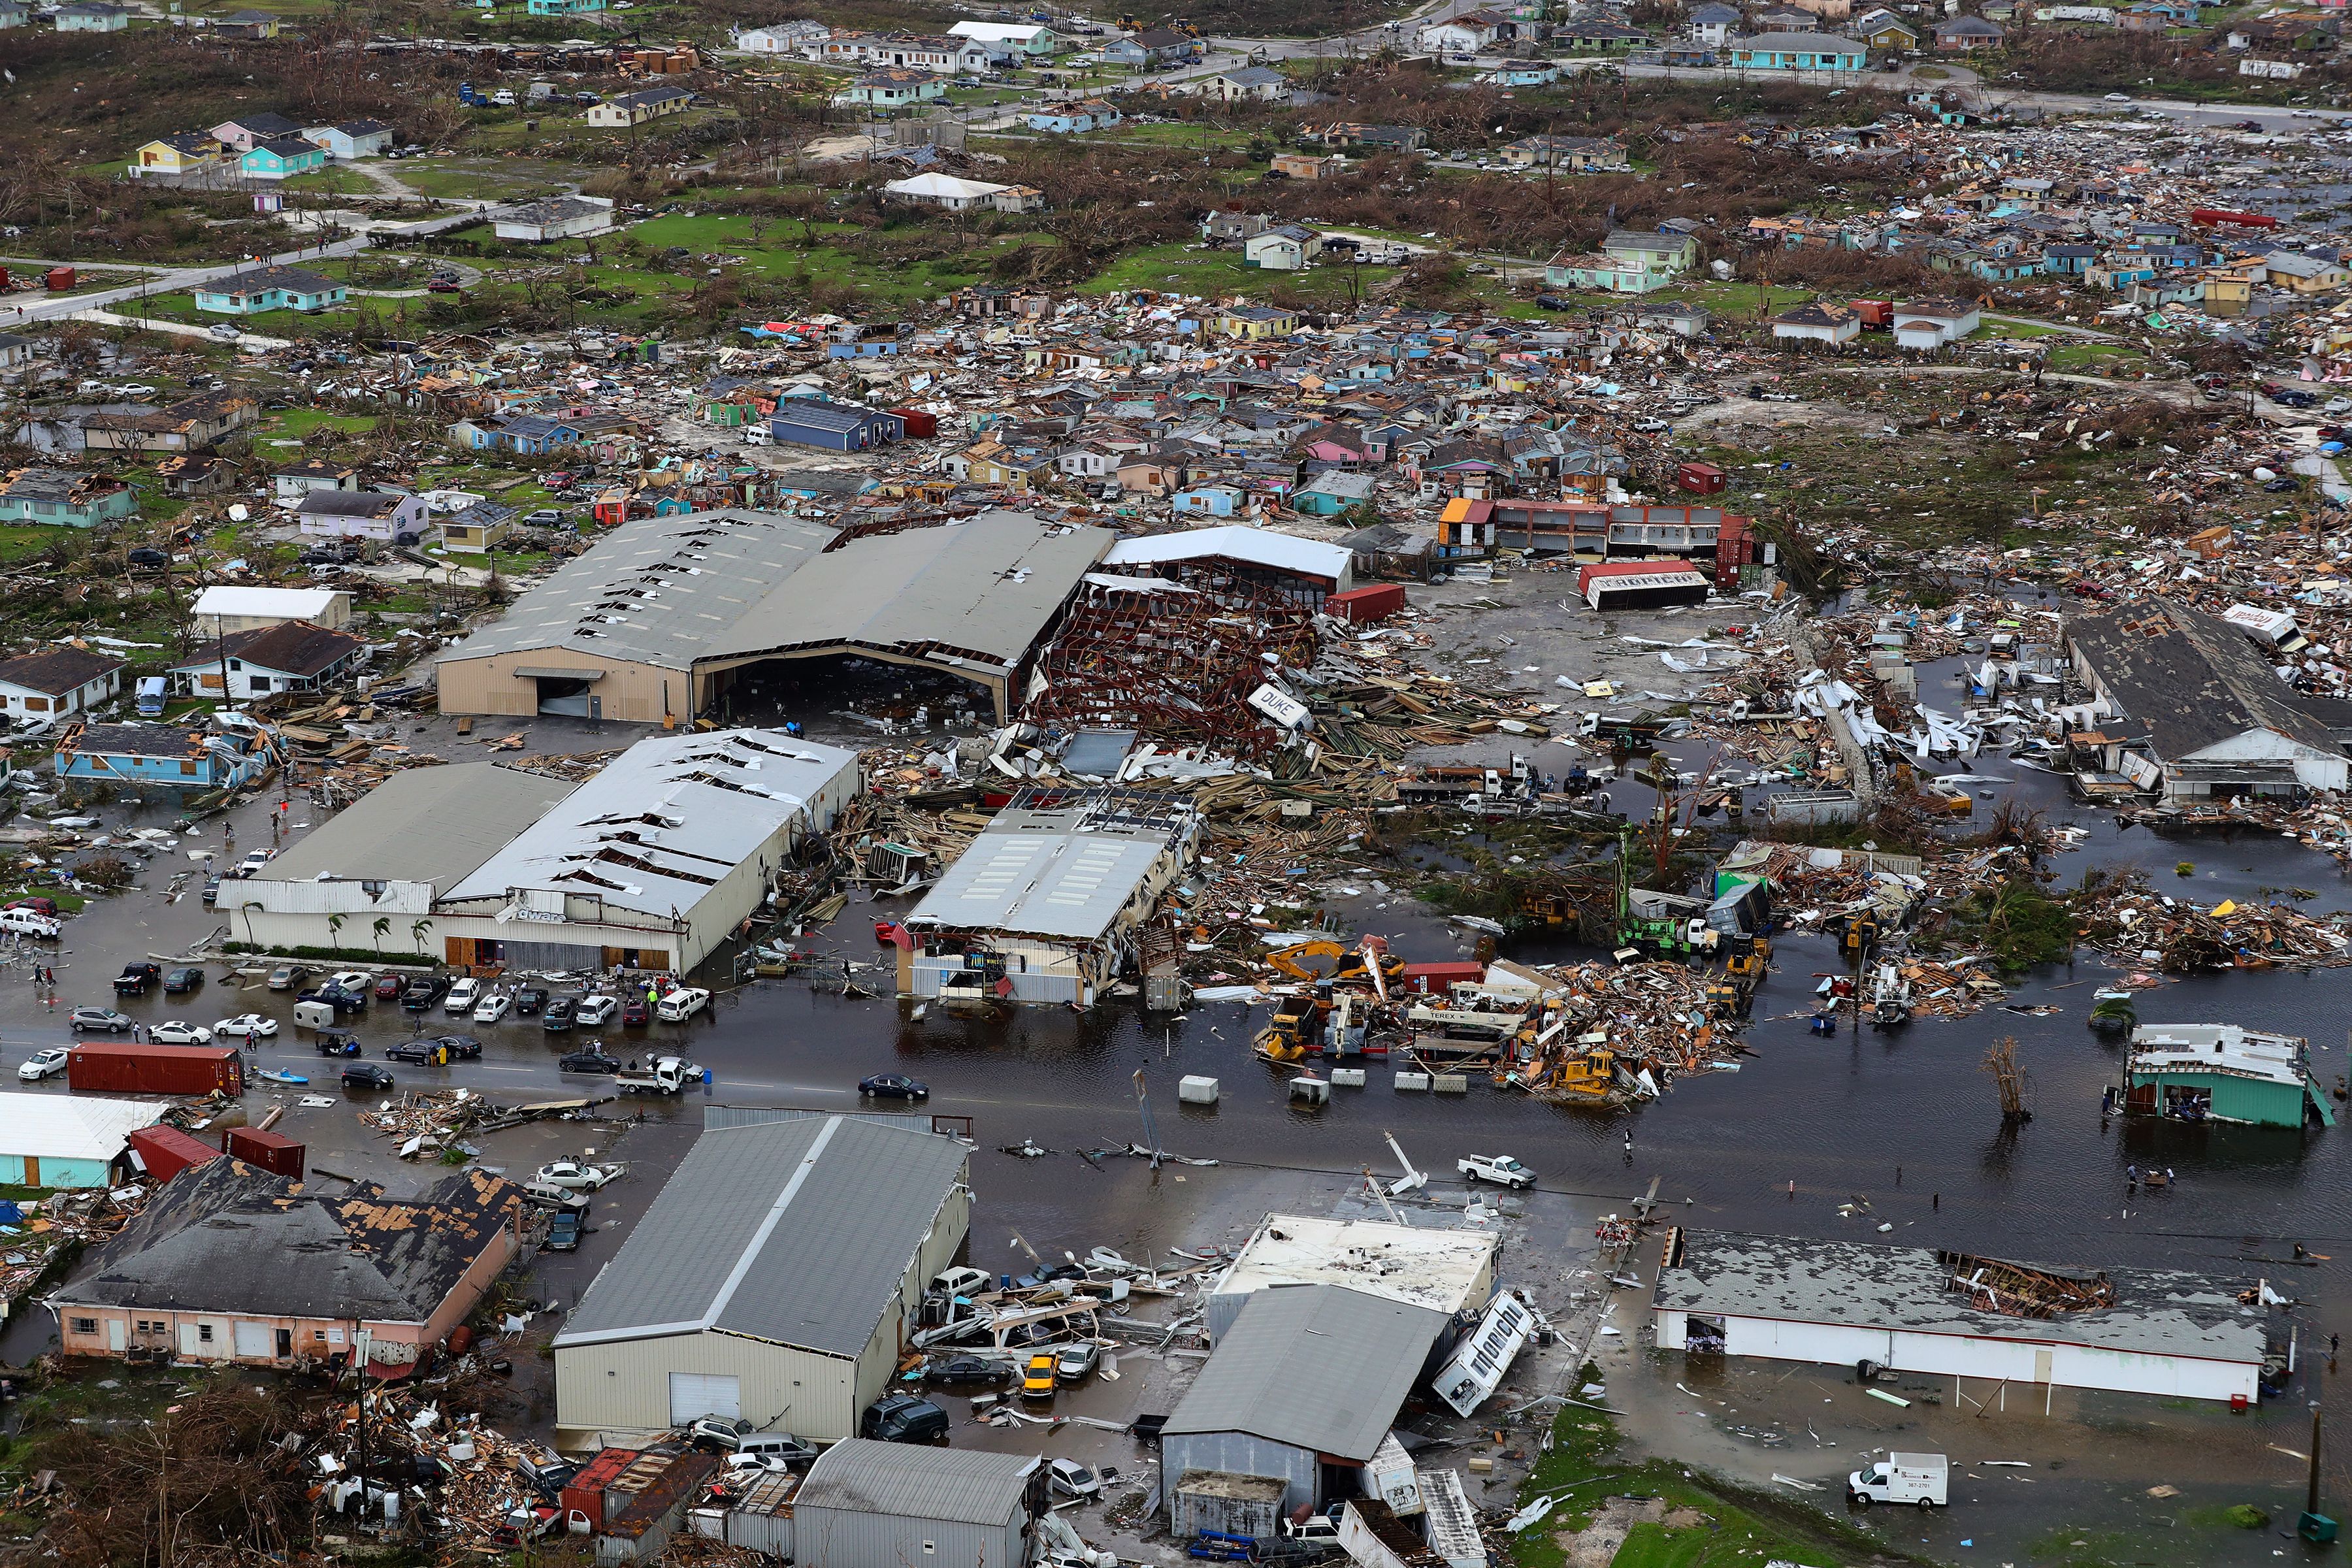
x,y
333,181
297,424
19,540
484,179
1736,1530
1215,272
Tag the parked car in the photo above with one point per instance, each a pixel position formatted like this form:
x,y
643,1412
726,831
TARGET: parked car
x,y
493,1008
1077,1363
181,981
136,978
338,1043
894,1086
461,1048
529,1000
44,1064
462,996
211,889
1037,1377
286,977
106,1018
1500,1169
563,1231
421,1052
635,1013
559,1016
904,1418
1069,1478
678,1005
963,1369
337,997
367,1075
36,903
419,995
575,1176
587,1062
388,987
245,1026
180,1032
595,1010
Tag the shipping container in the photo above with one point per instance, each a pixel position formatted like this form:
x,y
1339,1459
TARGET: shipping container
x,y
919,423
1437,979
1878,314
1358,605
61,279
273,1151
110,1067
165,1151
1700,479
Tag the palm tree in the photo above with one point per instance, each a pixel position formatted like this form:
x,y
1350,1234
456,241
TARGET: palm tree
x,y
416,931
246,910
379,931
334,931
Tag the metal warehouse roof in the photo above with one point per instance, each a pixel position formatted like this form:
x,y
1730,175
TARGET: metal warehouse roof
x,y
904,1481
1859,1285
985,588
53,1127
1055,873
665,821
1422,1268
842,418
1259,546
656,590
423,824
795,1232
1319,1367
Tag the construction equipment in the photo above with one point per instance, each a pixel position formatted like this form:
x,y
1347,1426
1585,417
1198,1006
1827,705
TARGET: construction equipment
x,y
1592,1076
1413,1181
1370,961
1292,1033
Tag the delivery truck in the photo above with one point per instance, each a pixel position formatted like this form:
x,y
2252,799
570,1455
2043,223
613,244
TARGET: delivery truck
x,y
1918,1478
116,1067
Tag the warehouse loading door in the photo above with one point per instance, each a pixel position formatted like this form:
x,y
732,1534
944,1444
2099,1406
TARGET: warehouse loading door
x,y
565,691
694,1394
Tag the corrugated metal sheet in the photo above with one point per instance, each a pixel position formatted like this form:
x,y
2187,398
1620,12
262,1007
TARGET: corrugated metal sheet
x,y
423,824
962,1486
1240,1453
759,1115
1317,1366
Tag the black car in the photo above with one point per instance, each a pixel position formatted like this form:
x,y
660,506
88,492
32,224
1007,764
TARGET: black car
x,y
968,1369
212,890
136,978
420,994
144,556
461,1048
559,1014
179,982
338,1043
905,1419
894,1086
423,1053
335,997
367,1075
563,1231
588,1061
529,1000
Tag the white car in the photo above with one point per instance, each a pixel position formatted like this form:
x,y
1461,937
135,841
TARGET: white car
x,y
223,332
180,1032
358,979
44,1064
595,1010
245,1026
573,1176
1500,1169
681,1004
493,1008
1069,1478
2120,98
463,995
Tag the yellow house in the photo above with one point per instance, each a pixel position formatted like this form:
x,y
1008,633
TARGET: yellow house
x,y
2229,289
1257,321
182,152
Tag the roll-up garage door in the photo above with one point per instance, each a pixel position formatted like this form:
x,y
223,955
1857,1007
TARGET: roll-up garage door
x,y
252,1340
693,1395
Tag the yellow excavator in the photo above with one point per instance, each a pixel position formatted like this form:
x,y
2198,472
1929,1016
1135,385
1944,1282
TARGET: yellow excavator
x,y
1297,1020
1370,963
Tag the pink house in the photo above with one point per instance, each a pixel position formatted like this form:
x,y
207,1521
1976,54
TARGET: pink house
x,y
1334,444
230,1263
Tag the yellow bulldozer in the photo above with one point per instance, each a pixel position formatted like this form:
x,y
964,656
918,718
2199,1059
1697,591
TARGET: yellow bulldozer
x,y
1296,1025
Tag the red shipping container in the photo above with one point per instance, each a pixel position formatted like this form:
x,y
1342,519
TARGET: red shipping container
x,y
1357,605
111,1068
166,1151
273,1151
1700,479
919,423
1875,314
1433,979
583,1494
61,279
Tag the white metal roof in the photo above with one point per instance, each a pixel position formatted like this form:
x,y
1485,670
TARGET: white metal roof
x,y
665,821
943,185
1259,546
1054,873
294,604
2219,1047
54,1127
998,32
1441,1269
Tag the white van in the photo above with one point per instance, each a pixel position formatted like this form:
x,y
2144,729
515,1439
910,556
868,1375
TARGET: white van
x,y
681,1004
1921,1479
29,922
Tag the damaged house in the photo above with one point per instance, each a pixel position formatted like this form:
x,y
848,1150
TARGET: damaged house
x,y
2193,711
229,1262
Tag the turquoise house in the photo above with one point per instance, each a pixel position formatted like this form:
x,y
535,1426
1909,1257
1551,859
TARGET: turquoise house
x,y
65,498
60,1141
1207,501
270,289
1797,52
563,7
283,158
155,756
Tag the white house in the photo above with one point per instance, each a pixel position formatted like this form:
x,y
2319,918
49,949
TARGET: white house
x,y
783,38
1932,323
228,607
1913,1310
1285,249
365,514
944,191
1005,39
557,217
1246,84
1818,322
58,682
1471,32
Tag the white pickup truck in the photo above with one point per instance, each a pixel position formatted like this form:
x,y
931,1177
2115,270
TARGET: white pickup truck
x,y
1918,1478
1500,1169
668,1075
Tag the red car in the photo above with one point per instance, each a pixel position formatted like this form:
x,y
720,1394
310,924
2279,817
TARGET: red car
x,y
38,906
444,286
387,989
634,1014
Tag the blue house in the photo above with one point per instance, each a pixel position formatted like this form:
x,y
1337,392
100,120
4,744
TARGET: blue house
x,y
56,1141
563,7
833,427
1332,492
869,348
65,497
2069,260
283,158
270,289
1797,52
1210,500
533,434
1065,119
155,755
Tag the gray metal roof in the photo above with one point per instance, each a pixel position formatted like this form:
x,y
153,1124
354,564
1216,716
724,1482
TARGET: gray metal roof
x,y
656,590
905,1480
985,587
795,1232
423,824
1317,1366
665,821
1795,1279
1060,873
